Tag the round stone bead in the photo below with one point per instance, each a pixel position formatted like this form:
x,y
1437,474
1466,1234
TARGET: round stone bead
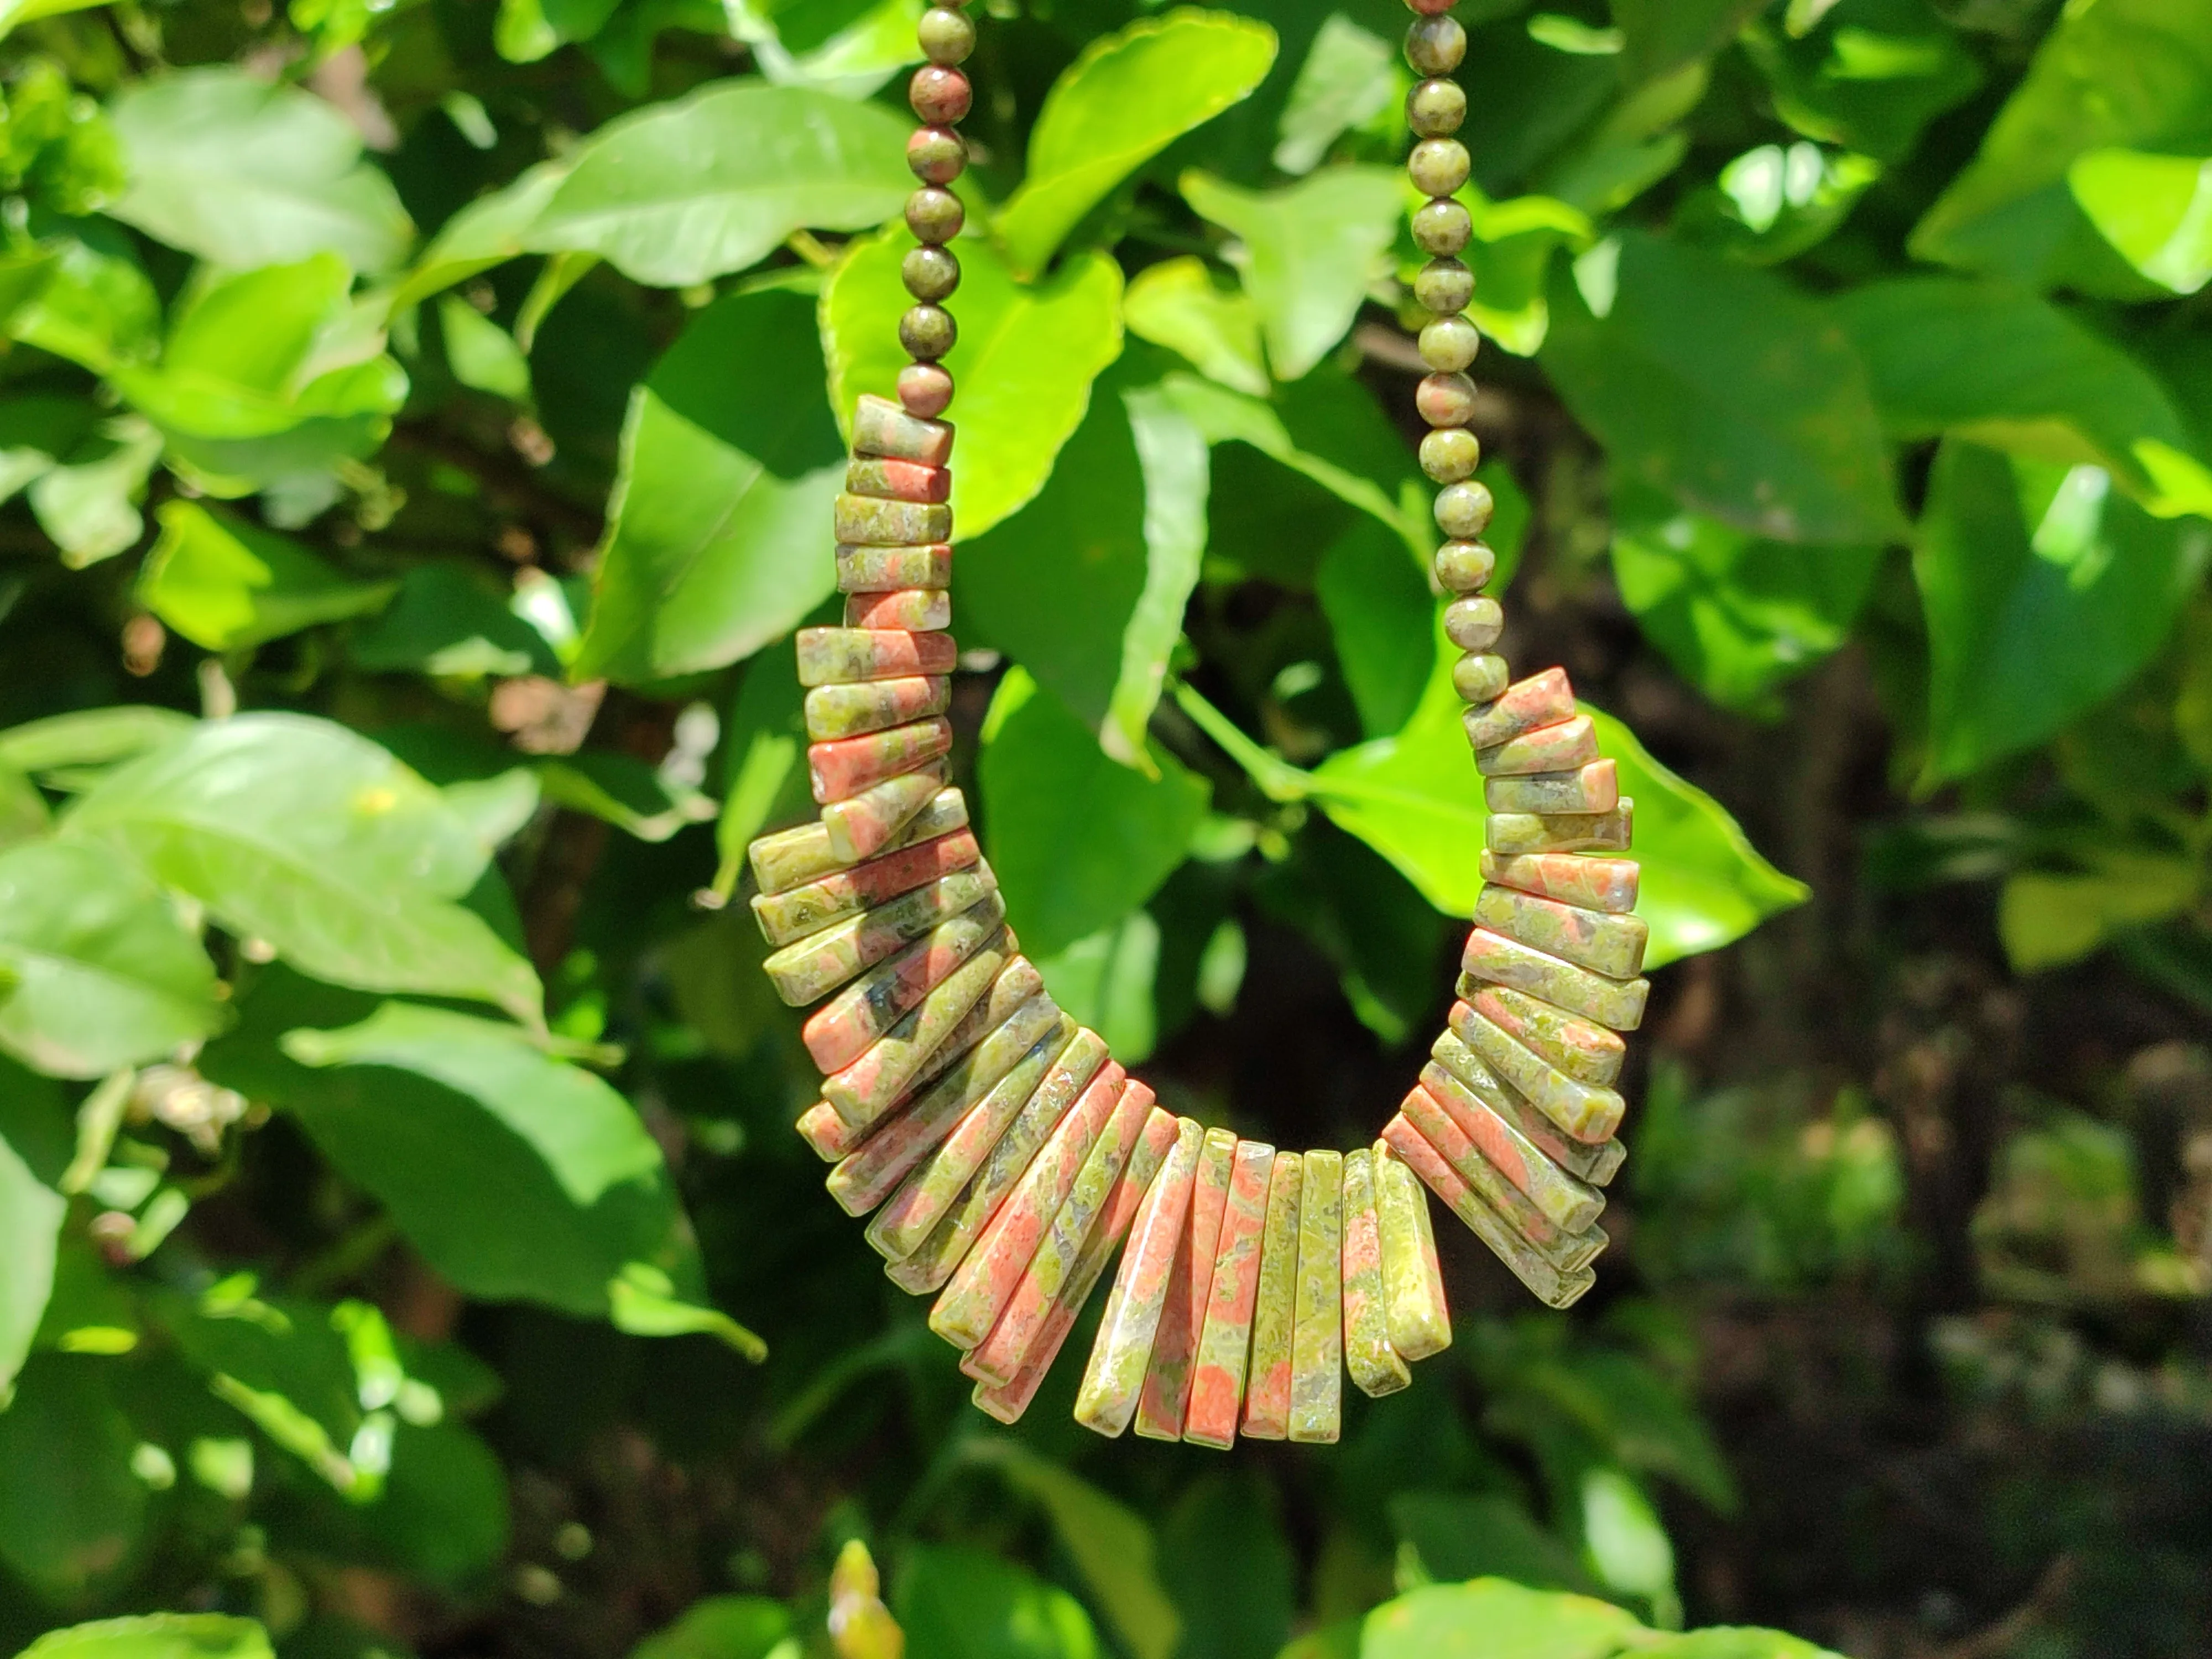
x,y
925,389
1451,454
1474,624
930,273
1434,109
1430,8
1478,679
1445,399
1462,509
935,214
1444,285
1465,566
928,332
1434,45
937,155
1442,226
1450,344
1437,166
941,96
947,36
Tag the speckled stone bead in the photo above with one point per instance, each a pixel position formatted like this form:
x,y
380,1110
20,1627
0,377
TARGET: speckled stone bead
x,y
939,96
1436,108
1448,345
1317,1331
1510,834
1450,455
877,818
857,707
1166,1400
1457,1078
1434,45
839,1032
1437,166
1442,226
1493,959
1570,1201
1592,788
1426,1113
831,656
937,155
881,428
841,767
1445,287
1583,1049
1413,1278
1567,747
928,1265
928,332
1604,943
1376,1368
891,570
1114,1379
1479,677
1541,699
787,917
1430,8
897,480
925,389
915,610
1462,511
1474,624
1445,399
947,36
824,960
794,858
1548,1284
1225,1347
935,214
866,1091
1584,1110
930,273
1267,1391
879,523
823,1130
1592,884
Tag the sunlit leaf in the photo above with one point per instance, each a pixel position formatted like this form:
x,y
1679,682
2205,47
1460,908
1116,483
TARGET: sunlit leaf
x,y
2156,209
960,1604
1177,304
225,584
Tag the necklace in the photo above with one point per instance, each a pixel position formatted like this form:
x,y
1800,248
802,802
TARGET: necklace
x,y
1001,1154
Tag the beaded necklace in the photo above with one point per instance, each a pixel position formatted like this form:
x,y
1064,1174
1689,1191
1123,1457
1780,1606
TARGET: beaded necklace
x,y
1001,1155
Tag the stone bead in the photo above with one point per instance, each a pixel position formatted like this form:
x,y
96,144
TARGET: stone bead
x,y
1430,8
794,858
1607,943
866,823
1435,108
925,389
1566,747
939,96
1225,1347
1593,884
1456,1076
843,767
1445,399
1114,1379
1511,834
1442,226
1543,699
825,1131
1462,513
937,155
1008,1402
1436,44
1584,1050
935,214
930,273
1450,455
1464,567
1474,624
840,1030
824,960
1317,1332
1493,959
879,523
786,918
888,569
844,656
1267,1392
868,1089
910,1214
947,36
928,332
1445,287
1450,343
898,480
1586,1111
984,1282
1413,1278
1549,1284
1165,1402
1376,1368
1520,1154
1437,166
1479,677
1562,1247
914,610
881,428
927,1265
1592,788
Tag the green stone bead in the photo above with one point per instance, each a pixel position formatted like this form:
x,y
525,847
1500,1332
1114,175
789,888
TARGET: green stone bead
x,y
1478,679
1451,454
935,214
1450,343
936,155
1442,226
1474,624
1434,109
1462,511
947,36
1437,166
1464,567
1434,45
928,332
1444,285
1445,399
930,274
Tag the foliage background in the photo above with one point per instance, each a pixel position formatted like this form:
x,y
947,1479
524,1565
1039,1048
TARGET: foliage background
x,y
418,427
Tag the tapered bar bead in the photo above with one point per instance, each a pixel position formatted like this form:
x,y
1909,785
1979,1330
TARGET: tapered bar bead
x,y
1584,1110
1318,1327
786,917
1491,958
839,1032
855,709
1224,1346
898,480
1438,1127
1567,747
1592,788
1275,1315
1114,1379
831,656
1414,1304
1525,706
881,428
793,858
1610,884
841,768
1583,1049
865,824
1570,1202
865,1091
889,569
1457,1075
874,522
1603,942
1376,1368
1549,1284
916,610
1165,1404
1511,834
818,963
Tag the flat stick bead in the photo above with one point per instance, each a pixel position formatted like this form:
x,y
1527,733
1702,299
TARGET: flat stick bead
x,y
916,610
1274,1314
1317,1323
1551,1286
862,825
866,1091
1224,1346
875,522
1585,1051
1541,699
793,858
821,1129
1592,788
853,710
897,480
1375,1365
886,569
1457,1075
881,428
1413,1278
928,1265
1572,1201
1114,1379
841,767
820,962
1438,1127
999,1357
931,1187
786,918
1584,1110
1604,942
1593,884
971,1302
1009,1401
838,1032
1493,959
1166,1402
1566,747
1510,834
832,655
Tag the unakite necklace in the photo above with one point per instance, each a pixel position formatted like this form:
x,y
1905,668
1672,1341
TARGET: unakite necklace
x,y
1001,1154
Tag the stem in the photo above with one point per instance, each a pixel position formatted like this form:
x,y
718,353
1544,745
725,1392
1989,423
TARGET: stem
x,y
1278,780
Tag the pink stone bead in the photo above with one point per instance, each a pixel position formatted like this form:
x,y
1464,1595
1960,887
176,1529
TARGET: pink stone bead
x,y
916,610
845,766
1166,1398
1216,1386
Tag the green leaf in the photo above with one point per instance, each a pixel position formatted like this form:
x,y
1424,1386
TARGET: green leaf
x,y
682,192
527,30
1456,1535
70,1510
641,1302
93,305
1869,76
88,504
1107,981
31,1214
623,791
851,60
489,231
719,537
1626,1545
481,353
1349,77
156,1636
2045,590
225,584
244,174
1230,1567
1078,841
449,618
1311,251
2156,209
1491,1619
1177,304
720,1627
1024,361
297,832
1663,35
2119,75
1722,386
103,975
962,1604
91,738
1378,606
2046,920
1129,95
